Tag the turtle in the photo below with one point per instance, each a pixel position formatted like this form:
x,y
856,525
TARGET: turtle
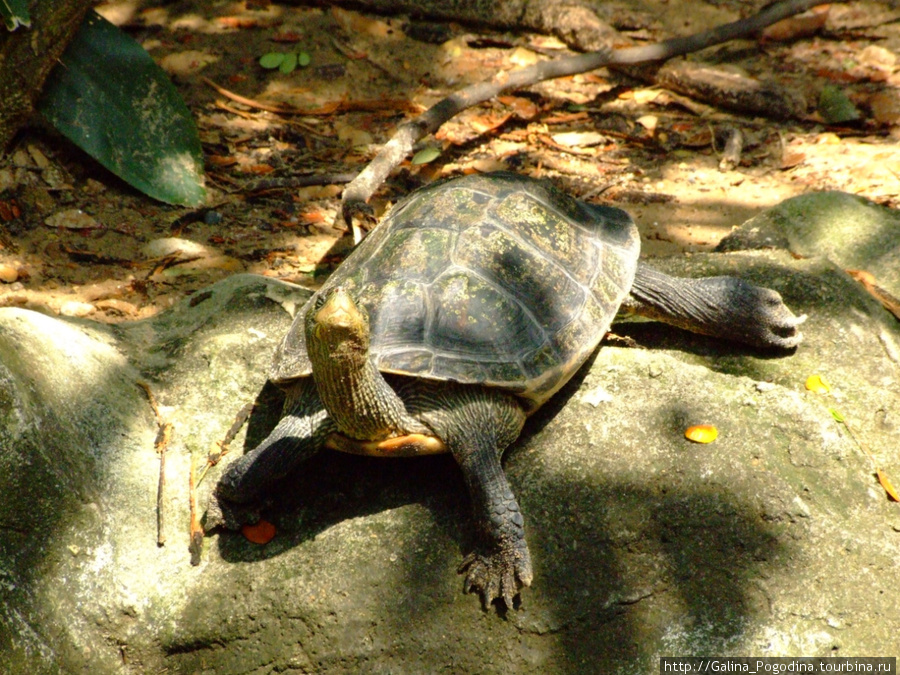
x,y
463,311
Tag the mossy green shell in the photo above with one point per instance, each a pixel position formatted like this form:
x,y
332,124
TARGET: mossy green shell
x,y
491,279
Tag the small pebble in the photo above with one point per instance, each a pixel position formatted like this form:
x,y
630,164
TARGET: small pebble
x,y
76,308
172,245
72,219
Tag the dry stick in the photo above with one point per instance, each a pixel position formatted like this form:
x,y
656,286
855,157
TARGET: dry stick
x,y
222,447
195,546
163,434
357,193
161,444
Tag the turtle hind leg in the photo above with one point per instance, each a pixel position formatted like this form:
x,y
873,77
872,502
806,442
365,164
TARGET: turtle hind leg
x,y
299,434
477,424
725,307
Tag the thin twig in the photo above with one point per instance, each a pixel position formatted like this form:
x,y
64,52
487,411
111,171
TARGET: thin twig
x,y
161,444
357,193
221,448
196,543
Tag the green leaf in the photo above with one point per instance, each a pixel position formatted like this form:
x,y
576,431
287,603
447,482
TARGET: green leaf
x,y
15,13
835,106
303,59
271,60
112,100
836,415
426,155
290,62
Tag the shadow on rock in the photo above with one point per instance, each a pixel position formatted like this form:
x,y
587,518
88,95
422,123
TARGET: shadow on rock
x,y
620,567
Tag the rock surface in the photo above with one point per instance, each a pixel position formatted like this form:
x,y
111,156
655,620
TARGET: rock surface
x,y
851,231
774,540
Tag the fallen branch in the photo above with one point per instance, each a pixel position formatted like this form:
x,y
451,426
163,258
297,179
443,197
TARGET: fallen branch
x,y
357,193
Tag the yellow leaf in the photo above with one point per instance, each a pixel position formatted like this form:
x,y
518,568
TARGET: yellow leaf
x,y
887,485
816,384
701,433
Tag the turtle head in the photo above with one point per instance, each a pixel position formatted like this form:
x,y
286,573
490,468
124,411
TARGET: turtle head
x,y
336,327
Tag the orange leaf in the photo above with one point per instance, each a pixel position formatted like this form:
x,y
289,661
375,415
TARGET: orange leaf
x,y
219,160
311,217
259,169
484,123
701,433
239,22
887,485
522,107
261,533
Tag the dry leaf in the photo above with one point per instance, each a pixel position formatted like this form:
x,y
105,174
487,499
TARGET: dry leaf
x,y
792,158
219,160
258,169
888,301
649,122
522,107
187,62
887,485
641,96
355,24
885,106
522,57
572,139
485,123
796,27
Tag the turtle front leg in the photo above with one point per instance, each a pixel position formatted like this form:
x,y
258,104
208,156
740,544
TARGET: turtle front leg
x,y
501,566
300,433
477,424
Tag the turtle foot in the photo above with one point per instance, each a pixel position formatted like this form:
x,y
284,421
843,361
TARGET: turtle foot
x,y
500,574
221,512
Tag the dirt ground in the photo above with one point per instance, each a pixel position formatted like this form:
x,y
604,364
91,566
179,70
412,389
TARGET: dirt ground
x,y
76,240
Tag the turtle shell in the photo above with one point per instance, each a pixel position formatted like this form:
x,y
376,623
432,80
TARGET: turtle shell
x,y
495,279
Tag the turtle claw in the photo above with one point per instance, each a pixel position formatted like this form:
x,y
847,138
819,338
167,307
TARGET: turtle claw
x,y
221,512
499,575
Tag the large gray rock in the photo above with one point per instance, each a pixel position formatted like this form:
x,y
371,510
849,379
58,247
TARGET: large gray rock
x,y
774,540
851,231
